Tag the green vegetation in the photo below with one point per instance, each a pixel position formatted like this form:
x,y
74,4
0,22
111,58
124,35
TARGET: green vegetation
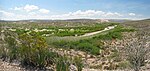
x,y
92,45
62,31
114,34
32,51
63,63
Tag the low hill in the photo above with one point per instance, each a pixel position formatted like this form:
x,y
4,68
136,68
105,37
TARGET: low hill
x,y
140,24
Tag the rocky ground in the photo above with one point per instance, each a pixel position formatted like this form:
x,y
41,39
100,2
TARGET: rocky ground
x,y
6,66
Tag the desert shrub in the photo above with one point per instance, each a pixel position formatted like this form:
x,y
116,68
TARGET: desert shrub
x,y
20,31
62,64
33,51
2,49
87,47
123,65
83,45
138,50
98,43
109,36
9,45
78,63
61,44
115,33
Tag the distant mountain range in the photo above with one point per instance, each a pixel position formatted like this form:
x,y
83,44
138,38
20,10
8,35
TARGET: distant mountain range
x,y
71,20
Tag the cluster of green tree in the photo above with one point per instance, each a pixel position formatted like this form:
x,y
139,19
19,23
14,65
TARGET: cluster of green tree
x,y
76,30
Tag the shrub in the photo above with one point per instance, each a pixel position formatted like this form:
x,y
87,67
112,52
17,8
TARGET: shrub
x,y
9,45
138,51
114,34
33,51
78,62
61,44
109,36
124,64
2,49
88,48
62,64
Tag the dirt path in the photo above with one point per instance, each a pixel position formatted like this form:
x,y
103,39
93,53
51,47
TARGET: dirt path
x,y
93,33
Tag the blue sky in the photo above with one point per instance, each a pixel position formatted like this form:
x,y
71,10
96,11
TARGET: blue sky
x,y
72,9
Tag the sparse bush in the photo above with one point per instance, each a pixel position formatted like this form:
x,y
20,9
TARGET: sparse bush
x,y
9,45
30,49
114,34
109,36
83,45
88,48
78,62
2,51
62,64
138,51
61,44
124,65
12,48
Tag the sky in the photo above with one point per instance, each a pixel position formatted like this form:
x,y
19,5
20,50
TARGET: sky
x,y
74,9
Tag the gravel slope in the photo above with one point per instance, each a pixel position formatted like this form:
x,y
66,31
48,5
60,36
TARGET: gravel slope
x,y
5,66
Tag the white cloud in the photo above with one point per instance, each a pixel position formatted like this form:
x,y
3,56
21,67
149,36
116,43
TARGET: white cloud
x,y
30,7
5,13
18,8
88,14
109,14
27,8
44,11
132,14
44,14
32,13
